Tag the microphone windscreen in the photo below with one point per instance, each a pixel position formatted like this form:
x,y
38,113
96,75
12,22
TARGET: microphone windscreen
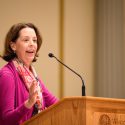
x,y
50,55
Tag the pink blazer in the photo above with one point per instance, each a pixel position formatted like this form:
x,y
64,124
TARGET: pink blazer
x,y
13,94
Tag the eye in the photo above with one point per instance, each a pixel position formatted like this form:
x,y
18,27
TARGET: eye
x,y
35,40
25,40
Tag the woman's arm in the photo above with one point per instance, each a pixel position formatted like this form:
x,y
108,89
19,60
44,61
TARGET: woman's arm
x,y
49,98
9,115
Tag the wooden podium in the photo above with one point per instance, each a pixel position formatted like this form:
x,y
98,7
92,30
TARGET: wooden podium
x,y
82,111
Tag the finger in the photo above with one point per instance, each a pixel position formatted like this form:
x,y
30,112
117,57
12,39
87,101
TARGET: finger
x,y
32,87
33,97
35,94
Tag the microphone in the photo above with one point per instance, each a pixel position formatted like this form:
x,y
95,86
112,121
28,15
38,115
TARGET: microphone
x,y
83,85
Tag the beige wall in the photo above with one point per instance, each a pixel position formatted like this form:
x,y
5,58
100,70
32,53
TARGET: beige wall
x,y
78,39
79,45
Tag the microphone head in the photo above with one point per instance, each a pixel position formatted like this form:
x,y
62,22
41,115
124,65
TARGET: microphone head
x,y
50,55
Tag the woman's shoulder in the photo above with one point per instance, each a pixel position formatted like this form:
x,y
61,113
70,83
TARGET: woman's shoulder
x,y
7,78
7,69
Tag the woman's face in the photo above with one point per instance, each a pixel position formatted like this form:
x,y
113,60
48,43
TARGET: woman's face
x,y
26,45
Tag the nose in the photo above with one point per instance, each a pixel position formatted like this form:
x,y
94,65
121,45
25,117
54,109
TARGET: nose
x,y
31,42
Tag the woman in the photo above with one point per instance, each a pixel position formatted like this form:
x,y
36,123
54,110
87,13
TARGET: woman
x,y
22,93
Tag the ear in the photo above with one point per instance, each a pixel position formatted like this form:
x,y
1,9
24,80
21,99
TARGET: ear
x,y
13,46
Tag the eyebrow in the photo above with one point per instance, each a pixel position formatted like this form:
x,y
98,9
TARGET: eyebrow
x,y
28,36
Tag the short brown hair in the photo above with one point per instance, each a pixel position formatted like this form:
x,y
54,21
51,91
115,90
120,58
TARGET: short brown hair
x,y
13,35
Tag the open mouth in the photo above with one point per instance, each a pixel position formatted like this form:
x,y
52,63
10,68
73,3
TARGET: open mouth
x,y
30,51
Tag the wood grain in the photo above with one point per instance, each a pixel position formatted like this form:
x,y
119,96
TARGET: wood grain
x,y
82,111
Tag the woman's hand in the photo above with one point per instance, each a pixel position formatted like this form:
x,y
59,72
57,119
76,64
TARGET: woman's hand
x,y
32,95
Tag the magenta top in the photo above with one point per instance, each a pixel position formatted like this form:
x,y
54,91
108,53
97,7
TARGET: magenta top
x,y
13,94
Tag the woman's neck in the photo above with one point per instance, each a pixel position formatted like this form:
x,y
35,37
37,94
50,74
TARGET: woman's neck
x,y
22,62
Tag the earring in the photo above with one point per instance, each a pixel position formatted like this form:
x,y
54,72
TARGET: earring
x,y
14,52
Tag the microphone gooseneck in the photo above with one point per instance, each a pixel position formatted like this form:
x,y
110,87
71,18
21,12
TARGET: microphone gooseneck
x,y
83,85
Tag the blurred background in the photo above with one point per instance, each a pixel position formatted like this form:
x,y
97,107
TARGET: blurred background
x,y
87,35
